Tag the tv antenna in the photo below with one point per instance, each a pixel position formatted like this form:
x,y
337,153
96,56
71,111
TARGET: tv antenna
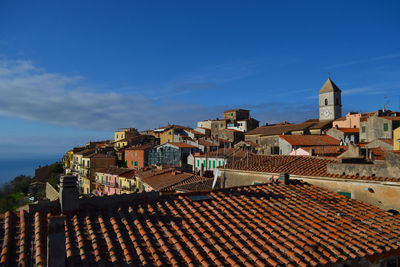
x,y
387,102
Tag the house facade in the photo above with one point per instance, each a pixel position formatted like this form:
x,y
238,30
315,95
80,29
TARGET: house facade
x,y
171,154
346,135
378,126
137,157
289,143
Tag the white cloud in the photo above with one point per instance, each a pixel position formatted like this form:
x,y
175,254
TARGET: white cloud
x,y
34,94
31,93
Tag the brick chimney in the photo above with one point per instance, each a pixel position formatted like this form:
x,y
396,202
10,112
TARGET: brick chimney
x,y
69,194
56,242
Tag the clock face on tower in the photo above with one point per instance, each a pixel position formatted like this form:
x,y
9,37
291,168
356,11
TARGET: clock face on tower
x,y
326,113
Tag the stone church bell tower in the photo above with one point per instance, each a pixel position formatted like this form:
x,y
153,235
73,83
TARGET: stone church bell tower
x,y
330,101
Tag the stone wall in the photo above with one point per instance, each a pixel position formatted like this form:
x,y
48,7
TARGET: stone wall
x,y
389,168
374,128
51,192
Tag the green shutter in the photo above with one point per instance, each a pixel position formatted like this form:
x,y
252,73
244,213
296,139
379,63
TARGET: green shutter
x,y
131,162
346,194
213,163
198,163
363,129
385,127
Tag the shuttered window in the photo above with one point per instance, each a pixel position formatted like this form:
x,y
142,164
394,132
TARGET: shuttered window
x,y
385,127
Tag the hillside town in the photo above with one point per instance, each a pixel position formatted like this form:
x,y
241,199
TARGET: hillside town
x,y
227,192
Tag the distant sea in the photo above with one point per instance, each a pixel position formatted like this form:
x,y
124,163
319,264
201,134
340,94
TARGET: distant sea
x,y
10,168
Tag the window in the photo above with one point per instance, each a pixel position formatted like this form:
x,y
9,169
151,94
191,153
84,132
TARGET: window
x,y
346,194
131,162
170,133
363,129
209,163
135,153
136,163
256,141
213,163
198,163
216,126
222,125
386,127
326,102
132,154
232,114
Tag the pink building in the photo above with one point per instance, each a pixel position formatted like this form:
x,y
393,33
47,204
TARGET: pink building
x,y
351,120
106,183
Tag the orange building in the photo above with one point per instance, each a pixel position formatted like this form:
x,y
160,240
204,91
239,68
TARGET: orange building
x,y
136,157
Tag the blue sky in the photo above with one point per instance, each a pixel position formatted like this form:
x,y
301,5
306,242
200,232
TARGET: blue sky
x,y
74,71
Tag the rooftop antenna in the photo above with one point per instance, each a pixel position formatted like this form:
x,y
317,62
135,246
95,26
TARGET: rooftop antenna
x,y
386,105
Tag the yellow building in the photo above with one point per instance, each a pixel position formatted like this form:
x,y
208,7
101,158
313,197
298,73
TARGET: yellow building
x,y
167,136
172,133
68,159
127,182
121,137
396,139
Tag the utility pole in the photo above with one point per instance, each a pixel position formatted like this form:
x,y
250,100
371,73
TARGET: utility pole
x,y
223,184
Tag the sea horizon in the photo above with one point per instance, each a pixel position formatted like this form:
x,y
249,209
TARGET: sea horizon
x,y
13,167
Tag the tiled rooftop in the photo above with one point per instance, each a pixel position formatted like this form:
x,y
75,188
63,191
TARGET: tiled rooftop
x,y
164,181
271,224
237,153
182,145
206,143
279,129
349,130
139,147
330,151
310,140
297,165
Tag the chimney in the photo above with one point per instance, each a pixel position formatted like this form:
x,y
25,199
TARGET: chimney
x,y
56,242
284,178
69,194
312,152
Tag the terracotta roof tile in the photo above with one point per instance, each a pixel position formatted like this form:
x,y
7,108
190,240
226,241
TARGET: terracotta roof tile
x,y
280,129
270,224
296,165
166,180
349,130
182,145
310,140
